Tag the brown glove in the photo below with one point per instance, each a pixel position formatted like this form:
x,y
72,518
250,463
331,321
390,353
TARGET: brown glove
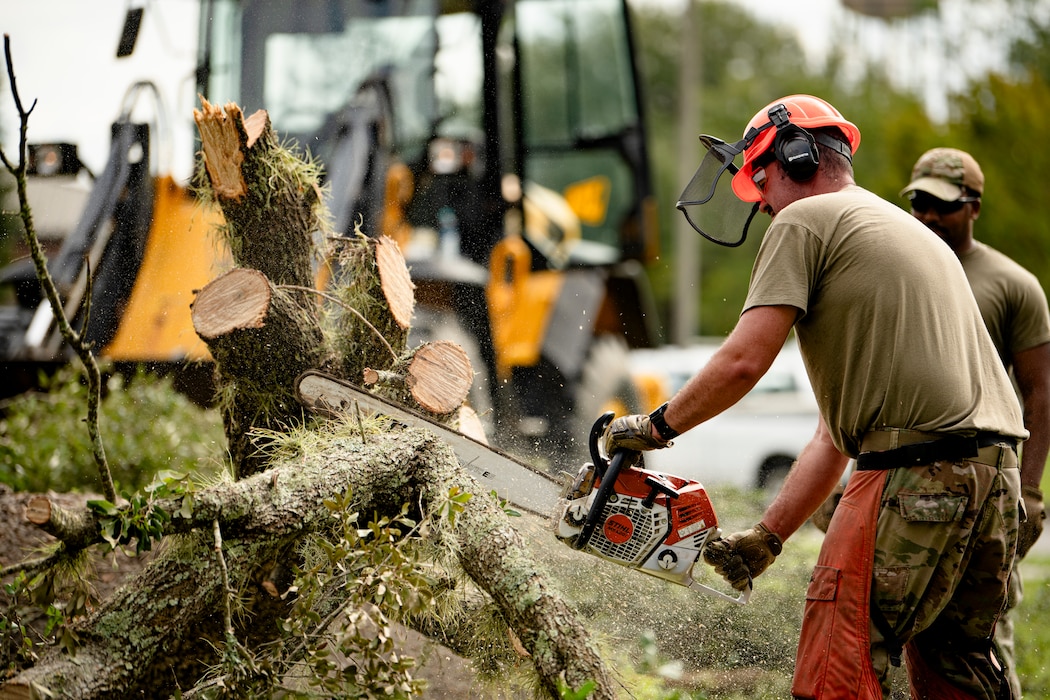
x,y
743,555
631,433
1032,525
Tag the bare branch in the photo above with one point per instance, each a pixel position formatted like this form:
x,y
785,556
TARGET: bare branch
x,y
355,312
71,336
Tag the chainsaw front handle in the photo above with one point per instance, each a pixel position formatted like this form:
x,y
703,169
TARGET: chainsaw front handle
x,y
608,480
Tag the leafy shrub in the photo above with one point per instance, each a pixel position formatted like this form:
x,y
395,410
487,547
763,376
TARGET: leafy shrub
x,y
146,427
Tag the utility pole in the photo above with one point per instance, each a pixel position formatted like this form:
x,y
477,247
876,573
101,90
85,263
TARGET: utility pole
x,y
687,250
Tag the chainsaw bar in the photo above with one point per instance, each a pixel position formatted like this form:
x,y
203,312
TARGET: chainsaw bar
x,y
521,484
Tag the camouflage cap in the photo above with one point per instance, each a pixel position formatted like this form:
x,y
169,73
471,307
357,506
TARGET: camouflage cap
x,y
946,173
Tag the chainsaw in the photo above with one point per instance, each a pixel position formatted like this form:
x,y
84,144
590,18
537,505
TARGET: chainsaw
x,y
656,523
653,522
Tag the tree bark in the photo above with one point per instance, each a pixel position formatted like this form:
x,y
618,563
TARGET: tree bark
x,y
373,281
269,198
271,203
261,338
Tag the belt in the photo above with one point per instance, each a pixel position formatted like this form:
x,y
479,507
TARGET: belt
x,y
896,447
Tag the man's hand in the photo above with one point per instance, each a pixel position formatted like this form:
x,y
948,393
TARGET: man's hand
x,y
1032,526
631,433
743,555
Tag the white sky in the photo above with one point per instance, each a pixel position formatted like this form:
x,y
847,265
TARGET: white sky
x,y
934,56
64,55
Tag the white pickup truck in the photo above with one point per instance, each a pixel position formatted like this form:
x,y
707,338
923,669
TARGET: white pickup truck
x,y
752,444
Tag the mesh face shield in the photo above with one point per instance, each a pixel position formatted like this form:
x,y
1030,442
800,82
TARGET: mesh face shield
x,y
708,202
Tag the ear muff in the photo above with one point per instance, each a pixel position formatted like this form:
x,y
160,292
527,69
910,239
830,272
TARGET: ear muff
x,y
795,148
796,151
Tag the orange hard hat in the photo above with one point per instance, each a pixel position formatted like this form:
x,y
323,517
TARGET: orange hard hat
x,y
804,111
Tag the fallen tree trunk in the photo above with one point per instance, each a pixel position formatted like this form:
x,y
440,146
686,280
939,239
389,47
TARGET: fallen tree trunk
x,y
263,324
167,611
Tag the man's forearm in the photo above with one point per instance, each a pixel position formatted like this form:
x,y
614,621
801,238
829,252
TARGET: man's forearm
x,y
811,480
1032,370
1034,451
734,369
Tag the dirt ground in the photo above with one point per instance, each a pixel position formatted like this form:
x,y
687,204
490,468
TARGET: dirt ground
x,y
449,676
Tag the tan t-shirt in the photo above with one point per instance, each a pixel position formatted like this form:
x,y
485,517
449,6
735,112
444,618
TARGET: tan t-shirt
x,y
1011,300
890,333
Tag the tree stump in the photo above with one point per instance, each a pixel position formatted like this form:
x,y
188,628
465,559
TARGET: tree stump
x,y
262,338
269,197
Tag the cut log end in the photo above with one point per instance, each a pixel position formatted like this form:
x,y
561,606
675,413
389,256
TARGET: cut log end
x,y
395,281
240,299
38,510
440,376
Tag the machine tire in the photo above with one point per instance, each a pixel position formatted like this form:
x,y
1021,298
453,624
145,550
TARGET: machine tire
x,y
605,384
773,472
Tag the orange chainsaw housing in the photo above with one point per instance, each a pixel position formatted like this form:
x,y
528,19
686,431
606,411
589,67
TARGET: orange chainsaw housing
x,y
638,518
654,522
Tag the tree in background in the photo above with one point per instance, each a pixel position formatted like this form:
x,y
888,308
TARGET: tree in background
x,y
746,62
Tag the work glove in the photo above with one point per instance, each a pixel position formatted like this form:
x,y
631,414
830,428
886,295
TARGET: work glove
x,y
631,433
743,555
1032,526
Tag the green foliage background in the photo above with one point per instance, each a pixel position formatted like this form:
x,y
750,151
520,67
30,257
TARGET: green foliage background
x,y
745,63
146,427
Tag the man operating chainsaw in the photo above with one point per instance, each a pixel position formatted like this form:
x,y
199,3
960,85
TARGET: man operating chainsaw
x,y
908,383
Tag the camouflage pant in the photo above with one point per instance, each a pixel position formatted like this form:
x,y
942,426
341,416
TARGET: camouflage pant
x,y
943,554
1004,631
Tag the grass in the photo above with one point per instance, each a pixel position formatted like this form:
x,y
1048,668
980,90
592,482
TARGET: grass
x,y
662,641
1031,633
146,427
666,641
